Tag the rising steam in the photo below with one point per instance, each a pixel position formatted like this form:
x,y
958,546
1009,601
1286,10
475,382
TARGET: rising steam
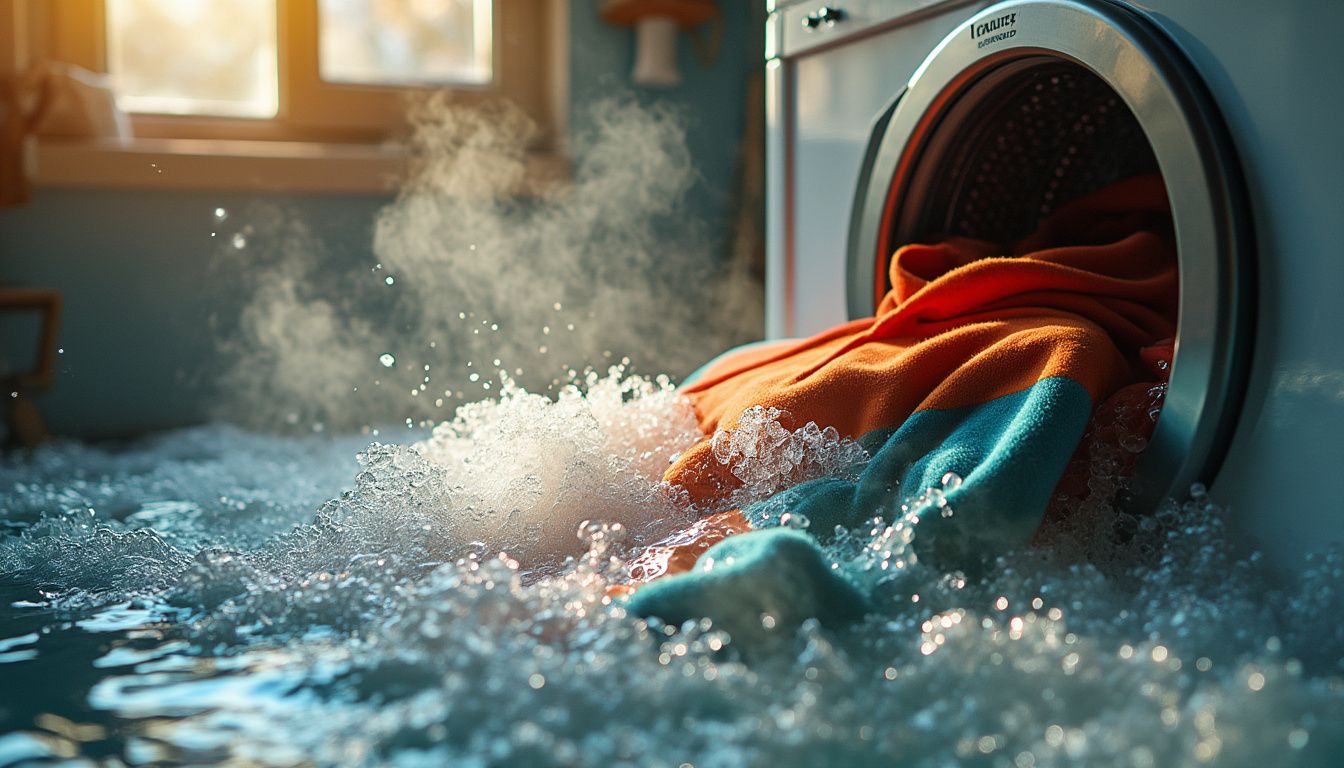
x,y
468,278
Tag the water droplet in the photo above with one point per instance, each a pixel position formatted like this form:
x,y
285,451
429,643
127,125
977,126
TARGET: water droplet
x,y
221,215
1133,443
239,241
951,481
387,360
389,280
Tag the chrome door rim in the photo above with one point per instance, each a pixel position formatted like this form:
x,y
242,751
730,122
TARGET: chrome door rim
x,y
1193,155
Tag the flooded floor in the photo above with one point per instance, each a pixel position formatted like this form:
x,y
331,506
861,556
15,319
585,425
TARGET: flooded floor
x,y
212,595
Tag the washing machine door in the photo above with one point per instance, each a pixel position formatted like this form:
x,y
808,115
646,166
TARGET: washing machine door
x,y
1028,105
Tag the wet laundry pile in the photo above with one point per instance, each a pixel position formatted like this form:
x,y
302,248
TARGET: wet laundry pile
x,y
970,391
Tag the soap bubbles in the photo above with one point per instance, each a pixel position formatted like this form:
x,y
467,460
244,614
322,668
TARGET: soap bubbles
x,y
457,599
767,457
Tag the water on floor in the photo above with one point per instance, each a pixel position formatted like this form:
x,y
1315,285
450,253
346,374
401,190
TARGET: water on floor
x,y
213,595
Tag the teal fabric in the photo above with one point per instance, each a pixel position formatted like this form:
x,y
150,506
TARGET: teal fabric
x,y
1010,453
755,584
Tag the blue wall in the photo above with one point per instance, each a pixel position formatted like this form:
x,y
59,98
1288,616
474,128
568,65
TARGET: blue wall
x,y
711,98
142,287
147,298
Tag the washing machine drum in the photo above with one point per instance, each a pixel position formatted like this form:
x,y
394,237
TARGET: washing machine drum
x,y
1029,105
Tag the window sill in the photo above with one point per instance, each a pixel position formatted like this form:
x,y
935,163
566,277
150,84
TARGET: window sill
x,y
263,166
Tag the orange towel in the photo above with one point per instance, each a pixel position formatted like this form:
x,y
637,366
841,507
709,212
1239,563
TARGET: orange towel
x,y
981,360
962,326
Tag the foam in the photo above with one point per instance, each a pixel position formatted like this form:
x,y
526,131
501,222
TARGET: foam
x,y
212,614
768,458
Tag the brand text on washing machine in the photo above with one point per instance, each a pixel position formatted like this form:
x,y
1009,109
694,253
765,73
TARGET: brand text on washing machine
x,y
978,31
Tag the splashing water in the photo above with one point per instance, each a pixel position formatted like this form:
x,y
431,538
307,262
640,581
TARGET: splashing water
x,y
179,600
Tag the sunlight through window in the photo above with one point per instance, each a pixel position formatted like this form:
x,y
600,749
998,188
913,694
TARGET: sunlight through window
x,y
401,42
194,57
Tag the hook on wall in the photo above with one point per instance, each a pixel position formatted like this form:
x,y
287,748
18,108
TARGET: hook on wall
x,y
656,24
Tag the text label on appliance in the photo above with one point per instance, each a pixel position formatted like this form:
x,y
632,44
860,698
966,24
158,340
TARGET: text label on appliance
x,y
978,31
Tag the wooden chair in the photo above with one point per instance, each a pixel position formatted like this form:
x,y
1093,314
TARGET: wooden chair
x,y
25,426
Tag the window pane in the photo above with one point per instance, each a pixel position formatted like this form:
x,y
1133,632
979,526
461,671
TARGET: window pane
x,y
391,42
193,57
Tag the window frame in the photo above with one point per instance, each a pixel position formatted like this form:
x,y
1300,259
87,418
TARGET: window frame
x,y
526,46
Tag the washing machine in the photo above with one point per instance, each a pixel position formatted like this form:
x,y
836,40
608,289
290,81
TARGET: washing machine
x,y
889,121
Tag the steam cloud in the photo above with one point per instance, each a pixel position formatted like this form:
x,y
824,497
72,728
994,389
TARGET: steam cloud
x,y
468,278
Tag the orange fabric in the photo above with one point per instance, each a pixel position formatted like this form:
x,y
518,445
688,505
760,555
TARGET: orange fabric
x,y
963,325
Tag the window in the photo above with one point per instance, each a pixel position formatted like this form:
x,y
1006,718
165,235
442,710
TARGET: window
x,y
193,57
429,41
310,70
